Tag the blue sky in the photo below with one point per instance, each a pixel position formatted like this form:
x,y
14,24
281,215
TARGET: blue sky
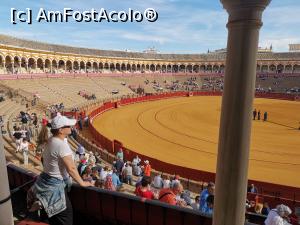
x,y
183,26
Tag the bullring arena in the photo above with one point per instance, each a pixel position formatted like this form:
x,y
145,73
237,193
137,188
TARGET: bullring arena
x,y
184,131
163,107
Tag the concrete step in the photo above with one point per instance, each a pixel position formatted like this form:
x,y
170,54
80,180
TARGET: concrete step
x,y
11,147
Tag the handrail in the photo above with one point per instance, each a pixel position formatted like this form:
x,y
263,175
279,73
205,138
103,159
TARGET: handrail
x,y
94,206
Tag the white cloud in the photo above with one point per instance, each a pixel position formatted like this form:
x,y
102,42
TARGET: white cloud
x,y
279,45
25,34
280,27
282,16
143,37
192,25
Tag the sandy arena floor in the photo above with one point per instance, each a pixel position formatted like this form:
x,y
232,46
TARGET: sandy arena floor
x,y
184,131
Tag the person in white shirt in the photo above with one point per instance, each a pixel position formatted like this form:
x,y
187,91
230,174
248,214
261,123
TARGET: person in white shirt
x,y
92,158
278,216
176,180
136,161
25,150
18,139
103,174
166,182
51,185
195,204
157,181
137,170
79,154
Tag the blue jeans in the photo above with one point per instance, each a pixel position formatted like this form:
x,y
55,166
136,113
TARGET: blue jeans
x,y
50,191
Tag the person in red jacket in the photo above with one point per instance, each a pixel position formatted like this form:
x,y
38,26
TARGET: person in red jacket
x,y
143,190
169,195
44,120
147,169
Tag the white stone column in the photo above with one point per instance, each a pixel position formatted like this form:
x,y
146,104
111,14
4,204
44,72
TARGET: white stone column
x,y
20,67
6,214
260,67
235,127
35,68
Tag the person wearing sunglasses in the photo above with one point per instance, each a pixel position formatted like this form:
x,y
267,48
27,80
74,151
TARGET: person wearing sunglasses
x,y
50,189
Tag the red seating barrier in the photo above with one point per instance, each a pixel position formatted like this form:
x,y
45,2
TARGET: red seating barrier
x,y
97,206
281,96
30,222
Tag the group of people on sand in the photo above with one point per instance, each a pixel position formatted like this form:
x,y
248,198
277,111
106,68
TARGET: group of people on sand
x,y
257,114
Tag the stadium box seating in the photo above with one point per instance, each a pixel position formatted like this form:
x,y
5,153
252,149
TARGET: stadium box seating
x,y
97,206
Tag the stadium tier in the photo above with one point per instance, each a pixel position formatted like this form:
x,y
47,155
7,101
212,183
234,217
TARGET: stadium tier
x,y
38,80
19,56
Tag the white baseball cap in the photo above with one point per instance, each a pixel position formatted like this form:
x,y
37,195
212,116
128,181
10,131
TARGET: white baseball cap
x,y
60,121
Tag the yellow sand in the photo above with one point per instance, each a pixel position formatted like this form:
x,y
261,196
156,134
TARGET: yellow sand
x,y
184,131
